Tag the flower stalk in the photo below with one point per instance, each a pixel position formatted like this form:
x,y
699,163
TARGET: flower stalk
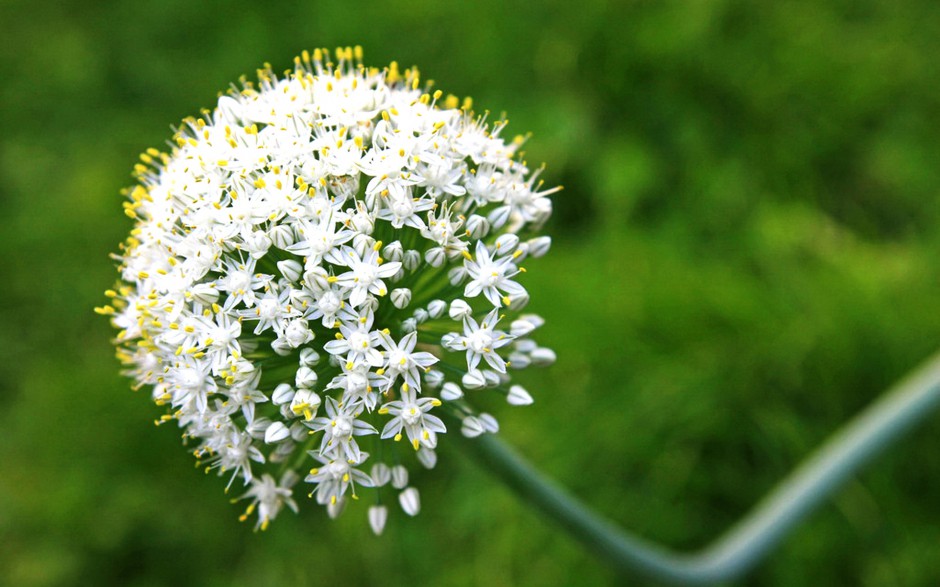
x,y
744,545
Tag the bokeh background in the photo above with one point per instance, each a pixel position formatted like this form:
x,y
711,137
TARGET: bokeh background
x,y
746,254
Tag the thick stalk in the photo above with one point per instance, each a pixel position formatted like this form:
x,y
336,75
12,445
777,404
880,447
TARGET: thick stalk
x,y
732,554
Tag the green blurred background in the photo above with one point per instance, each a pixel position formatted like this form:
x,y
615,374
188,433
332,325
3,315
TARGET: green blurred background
x,y
745,255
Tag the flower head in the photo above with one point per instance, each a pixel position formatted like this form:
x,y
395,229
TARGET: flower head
x,y
318,270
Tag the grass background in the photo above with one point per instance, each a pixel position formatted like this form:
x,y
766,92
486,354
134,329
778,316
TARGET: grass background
x,y
745,256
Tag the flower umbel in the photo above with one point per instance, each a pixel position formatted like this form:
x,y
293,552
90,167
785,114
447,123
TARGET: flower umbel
x,y
326,255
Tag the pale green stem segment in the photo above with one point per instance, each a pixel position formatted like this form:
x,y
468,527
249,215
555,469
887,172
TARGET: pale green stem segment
x,y
901,408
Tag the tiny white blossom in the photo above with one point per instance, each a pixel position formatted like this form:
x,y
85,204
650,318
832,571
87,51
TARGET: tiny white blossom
x,y
480,341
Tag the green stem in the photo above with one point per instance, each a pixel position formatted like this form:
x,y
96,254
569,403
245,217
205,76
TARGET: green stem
x,y
732,554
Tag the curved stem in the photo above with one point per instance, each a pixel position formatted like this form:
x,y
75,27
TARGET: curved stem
x,y
901,408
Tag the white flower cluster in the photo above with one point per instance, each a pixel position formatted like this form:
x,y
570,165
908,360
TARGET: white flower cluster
x,y
319,265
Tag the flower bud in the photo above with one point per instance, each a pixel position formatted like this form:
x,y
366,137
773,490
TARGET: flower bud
x,y
411,260
539,245
257,244
298,333
474,380
317,279
518,396
436,308
290,269
477,227
401,297
451,391
281,346
205,294
427,457
378,514
309,357
282,236
276,432
306,377
457,275
433,378
381,474
399,477
489,423
499,216
506,244
393,251
435,256
471,427
459,309
410,501
542,357
283,394
491,378
420,316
